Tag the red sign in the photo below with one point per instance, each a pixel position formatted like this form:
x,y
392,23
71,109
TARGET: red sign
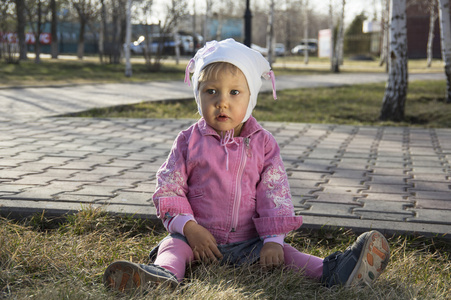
x,y
45,38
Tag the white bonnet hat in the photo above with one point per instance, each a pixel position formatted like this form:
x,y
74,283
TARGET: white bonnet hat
x,y
253,65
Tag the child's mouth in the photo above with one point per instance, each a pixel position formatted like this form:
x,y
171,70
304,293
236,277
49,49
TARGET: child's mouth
x,y
222,117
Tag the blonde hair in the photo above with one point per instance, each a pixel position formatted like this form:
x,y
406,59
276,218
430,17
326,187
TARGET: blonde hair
x,y
212,70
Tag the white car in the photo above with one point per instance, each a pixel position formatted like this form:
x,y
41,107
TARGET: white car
x,y
263,51
311,46
280,49
186,45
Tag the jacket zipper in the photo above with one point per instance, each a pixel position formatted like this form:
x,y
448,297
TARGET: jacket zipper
x,y
237,200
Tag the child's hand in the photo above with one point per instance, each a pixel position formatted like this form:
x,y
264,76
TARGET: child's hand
x,y
202,242
271,255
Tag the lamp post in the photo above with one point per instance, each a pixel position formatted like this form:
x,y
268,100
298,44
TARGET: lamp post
x,y
247,25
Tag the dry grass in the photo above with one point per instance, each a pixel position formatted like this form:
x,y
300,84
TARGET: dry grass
x,y
43,258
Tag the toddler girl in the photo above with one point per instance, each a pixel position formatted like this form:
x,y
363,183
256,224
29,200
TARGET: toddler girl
x,y
223,192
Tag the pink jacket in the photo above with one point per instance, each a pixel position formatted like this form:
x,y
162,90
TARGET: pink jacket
x,y
252,198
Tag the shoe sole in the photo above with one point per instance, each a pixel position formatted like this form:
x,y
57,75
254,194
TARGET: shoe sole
x,y
124,276
372,261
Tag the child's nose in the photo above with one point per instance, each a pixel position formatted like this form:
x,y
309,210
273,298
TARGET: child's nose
x,y
222,102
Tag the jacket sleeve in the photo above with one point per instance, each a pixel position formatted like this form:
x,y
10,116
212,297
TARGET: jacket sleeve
x,y
170,193
274,205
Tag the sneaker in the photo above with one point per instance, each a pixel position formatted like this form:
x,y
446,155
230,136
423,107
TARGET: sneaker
x,y
362,262
125,276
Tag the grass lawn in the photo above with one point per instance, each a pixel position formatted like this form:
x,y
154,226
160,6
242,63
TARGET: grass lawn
x,y
354,105
75,72
43,258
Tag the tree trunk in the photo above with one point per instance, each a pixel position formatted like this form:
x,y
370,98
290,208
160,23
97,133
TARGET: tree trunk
x,y
306,37
102,31
288,25
178,44
148,37
432,18
54,45
333,54
118,37
81,38
396,88
194,29
21,22
340,35
385,35
219,28
445,35
148,49
37,44
128,39
270,33
207,20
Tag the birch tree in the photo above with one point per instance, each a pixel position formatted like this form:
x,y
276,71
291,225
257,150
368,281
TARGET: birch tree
x,y
340,34
209,4
385,34
396,89
432,19
337,43
102,29
333,54
445,36
128,39
270,32
306,36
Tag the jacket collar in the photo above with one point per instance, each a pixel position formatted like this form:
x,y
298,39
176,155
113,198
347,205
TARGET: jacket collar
x,y
250,127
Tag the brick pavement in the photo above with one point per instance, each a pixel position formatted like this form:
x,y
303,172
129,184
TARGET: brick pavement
x,y
392,179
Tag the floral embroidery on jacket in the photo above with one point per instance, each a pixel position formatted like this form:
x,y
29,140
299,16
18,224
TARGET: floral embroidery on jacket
x,y
170,181
277,187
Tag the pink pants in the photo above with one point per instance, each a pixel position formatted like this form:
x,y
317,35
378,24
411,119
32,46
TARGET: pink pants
x,y
174,254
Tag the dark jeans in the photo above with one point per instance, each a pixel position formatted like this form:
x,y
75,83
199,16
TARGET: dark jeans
x,y
237,254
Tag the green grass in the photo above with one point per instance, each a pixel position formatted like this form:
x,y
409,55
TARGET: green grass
x,y
64,258
354,105
78,72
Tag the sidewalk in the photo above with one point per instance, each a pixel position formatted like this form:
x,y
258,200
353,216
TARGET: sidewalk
x,y
386,178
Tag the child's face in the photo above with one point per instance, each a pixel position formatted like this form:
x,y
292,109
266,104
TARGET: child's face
x,y
224,100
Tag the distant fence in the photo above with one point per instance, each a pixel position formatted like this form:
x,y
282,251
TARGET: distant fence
x,y
362,44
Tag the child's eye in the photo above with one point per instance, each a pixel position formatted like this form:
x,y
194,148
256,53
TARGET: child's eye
x,y
234,92
211,91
